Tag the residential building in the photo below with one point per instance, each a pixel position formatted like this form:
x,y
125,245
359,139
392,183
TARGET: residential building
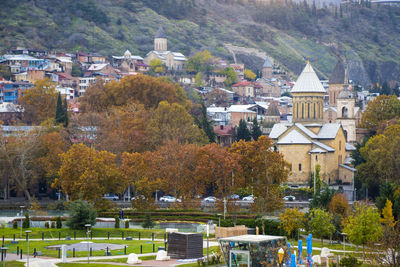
x,y
241,112
66,92
247,89
225,135
11,92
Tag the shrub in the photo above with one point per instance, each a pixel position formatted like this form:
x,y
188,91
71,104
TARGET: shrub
x,y
81,213
58,222
116,226
47,225
148,223
26,223
58,205
53,225
15,224
349,261
126,224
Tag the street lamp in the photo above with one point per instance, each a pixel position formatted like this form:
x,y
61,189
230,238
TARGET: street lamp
x,y
344,244
22,213
87,234
27,244
3,255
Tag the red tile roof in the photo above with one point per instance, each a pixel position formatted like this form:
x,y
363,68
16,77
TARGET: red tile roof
x,y
224,130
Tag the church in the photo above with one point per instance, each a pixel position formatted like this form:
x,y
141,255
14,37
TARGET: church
x,y
172,60
308,141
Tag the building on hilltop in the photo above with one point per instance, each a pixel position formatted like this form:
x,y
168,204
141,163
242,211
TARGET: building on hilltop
x,y
308,141
172,60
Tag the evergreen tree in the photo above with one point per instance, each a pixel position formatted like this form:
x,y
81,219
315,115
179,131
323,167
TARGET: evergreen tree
x,y
205,124
61,111
147,223
243,132
256,130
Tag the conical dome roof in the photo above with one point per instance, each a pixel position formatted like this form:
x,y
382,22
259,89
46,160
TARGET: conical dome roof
x,y
308,82
160,33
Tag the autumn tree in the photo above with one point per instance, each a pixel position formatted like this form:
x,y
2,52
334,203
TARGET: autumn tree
x,y
381,154
93,99
123,129
249,75
52,145
339,205
39,103
18,160
320,223
142,89
220,169
364,225
382,109
389,192
264,169
173,165
173,122
88,174
218,98
291,220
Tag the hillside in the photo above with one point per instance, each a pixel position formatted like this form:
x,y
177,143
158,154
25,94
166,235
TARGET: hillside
x,y
367,36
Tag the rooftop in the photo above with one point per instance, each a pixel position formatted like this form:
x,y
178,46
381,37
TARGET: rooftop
x,y
308,82
251,238
160,33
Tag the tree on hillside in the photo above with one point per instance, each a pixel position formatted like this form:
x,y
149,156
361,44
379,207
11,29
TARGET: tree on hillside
x,y
88,174
201,62
320,224
173,122
61,112
39,103
157,66
381,154
231,76
379,111
291,221
144,89
205,124
263,169
242,132
249,75
364,226
339,205
389,192
255,129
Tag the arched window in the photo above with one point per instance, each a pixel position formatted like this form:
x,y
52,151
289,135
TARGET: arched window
x,y
345,112
345,134
340,145
297,110
299,167
308,110
302,110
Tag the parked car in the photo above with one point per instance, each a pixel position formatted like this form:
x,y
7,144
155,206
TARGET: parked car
x,y
210,199
289,198
138,197
169,199
235,196
249,198
114,197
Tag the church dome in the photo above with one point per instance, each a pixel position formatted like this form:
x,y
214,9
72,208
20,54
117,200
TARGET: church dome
x,y
160,33
308,82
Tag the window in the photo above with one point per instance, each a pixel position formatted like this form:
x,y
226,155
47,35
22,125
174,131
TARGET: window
x,y
340,145
314,111
316,157
299,167
344,112
308,110
340,159
302,110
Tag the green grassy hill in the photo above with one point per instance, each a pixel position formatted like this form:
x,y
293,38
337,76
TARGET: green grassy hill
x,y
367,36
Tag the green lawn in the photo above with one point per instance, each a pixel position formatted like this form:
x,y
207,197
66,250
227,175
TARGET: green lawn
x,y
96,233
132,247
14,264
83,265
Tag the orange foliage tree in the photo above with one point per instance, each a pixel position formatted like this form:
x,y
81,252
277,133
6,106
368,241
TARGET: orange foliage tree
x,y
264,170
89,174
